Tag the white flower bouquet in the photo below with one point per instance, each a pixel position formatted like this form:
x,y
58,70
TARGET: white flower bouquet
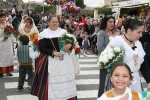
x,y
110,56
66,39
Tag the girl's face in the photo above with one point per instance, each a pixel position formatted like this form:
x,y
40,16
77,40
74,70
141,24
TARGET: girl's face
x,y
53,23
27,23
110,24
135,34
3,18
120,78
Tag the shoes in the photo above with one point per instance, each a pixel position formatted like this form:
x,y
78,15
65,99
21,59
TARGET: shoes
x,y
9,74
1,75
21,89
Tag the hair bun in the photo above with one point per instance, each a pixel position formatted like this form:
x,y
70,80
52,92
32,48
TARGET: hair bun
x,y
126,23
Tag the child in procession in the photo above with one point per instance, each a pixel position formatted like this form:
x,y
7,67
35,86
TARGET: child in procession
x,y
24,54
121,77
115,32
85,44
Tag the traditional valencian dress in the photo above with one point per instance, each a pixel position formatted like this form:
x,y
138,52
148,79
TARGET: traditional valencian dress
x,y
32,34
133,57
133,95
6,54
54,78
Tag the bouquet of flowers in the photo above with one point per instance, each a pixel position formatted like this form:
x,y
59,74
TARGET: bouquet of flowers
x,y
107,59
35,44
66,39
110,56
8,30
16,33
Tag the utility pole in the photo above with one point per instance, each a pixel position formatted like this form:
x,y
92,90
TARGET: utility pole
x,y
74,1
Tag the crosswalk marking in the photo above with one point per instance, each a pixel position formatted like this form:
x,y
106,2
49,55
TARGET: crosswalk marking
x,y
87,81
88,65
89,56
86,87
88,60
22,97
10,85
87,94
91,72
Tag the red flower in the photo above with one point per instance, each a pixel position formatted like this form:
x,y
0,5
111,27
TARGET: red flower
x,y
77,51
36,42
6,30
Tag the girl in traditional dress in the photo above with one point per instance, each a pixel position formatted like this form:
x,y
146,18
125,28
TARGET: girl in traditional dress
x,y
121,77
134,53
28,28
54,78
6,49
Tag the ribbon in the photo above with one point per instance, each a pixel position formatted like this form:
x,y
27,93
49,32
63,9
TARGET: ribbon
x,y
61,46
109,69
144,94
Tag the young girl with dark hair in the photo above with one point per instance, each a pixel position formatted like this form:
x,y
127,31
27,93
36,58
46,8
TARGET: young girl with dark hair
x,y
121,77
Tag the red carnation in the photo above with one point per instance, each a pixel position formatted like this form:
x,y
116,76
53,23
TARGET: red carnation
x,y
77,51
36,42
6,30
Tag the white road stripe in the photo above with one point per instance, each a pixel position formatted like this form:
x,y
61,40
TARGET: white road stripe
x,y
87,94
10,85
89,72
88,56
22,97
87,81
14,75
88,60
88,65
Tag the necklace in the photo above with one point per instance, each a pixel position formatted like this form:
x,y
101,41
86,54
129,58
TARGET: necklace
x,y
128,39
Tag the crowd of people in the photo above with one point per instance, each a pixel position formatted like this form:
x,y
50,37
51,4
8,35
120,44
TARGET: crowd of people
x,y
51,73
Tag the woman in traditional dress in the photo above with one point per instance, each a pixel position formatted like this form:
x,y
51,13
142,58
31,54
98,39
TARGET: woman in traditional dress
x,y
6,50
121,77
54,78
134,53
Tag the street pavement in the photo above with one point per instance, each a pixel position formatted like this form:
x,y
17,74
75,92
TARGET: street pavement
x,y
87,82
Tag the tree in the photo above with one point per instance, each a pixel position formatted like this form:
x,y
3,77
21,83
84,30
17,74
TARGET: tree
x,y
79,3
104,10
47,9
87,12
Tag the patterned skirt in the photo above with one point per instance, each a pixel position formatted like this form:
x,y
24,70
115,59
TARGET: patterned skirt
x,y
40,80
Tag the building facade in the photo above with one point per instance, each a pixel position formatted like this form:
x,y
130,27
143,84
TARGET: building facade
x,y
109,2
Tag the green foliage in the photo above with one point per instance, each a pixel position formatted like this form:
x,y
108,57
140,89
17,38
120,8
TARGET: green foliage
x,y
47,9
86,12
67,38
79,3
104,10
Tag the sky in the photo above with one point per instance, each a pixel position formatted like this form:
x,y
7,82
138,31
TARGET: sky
x,y
91,3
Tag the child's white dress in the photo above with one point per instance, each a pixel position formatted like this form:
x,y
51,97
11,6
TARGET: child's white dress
x,y
133,95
